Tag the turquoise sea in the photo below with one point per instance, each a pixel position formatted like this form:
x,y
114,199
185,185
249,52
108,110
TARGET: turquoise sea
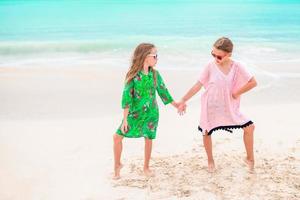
x,y
103,33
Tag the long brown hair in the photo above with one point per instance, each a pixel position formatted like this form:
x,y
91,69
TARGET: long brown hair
x,y
138,59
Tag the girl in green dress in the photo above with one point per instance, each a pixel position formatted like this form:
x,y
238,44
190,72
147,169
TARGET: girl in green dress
x,y
140,116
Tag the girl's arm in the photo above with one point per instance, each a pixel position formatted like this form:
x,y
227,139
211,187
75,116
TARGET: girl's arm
x,y
248,86
175,104
124,127
182,104
196,87
163,91
127,99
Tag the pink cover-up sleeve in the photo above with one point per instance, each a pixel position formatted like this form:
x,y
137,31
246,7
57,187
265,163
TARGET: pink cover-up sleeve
x,y
242,76
204,76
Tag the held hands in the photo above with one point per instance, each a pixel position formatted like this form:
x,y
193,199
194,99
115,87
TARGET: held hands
x,y
181,107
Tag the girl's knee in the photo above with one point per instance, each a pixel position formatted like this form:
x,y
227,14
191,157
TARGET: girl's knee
x,y
117,138
249,128
205,135
147,140
206,138
252,127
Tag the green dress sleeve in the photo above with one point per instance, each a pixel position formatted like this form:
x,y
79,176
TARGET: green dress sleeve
x,y
162,90
128,93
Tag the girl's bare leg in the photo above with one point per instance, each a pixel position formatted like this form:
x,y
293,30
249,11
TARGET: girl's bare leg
x,y
117,155
208,148
148,150
248,141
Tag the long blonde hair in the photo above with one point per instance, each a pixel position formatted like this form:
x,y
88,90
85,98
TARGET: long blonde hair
x,y
138,59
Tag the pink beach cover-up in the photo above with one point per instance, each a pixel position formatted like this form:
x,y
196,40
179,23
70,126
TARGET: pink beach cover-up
x,y
219,110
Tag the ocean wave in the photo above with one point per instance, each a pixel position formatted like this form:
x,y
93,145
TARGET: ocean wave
x,y
25,48
166,43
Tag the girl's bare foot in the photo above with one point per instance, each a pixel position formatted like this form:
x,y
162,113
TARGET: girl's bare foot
x,y
249,164
211,167
117,172
148,172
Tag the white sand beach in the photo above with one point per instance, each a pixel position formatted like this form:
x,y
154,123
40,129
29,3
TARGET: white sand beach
x,y
56,127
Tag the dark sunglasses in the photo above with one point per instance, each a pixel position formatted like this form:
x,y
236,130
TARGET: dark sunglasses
x,y
216,56
153,55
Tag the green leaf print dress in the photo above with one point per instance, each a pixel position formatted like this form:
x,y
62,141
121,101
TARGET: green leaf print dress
x,y
140,96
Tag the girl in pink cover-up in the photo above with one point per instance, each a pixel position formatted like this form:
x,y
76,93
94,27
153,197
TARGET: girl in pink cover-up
x,y
224,80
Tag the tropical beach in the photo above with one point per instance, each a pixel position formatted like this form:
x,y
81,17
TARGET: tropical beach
x,y
61,85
